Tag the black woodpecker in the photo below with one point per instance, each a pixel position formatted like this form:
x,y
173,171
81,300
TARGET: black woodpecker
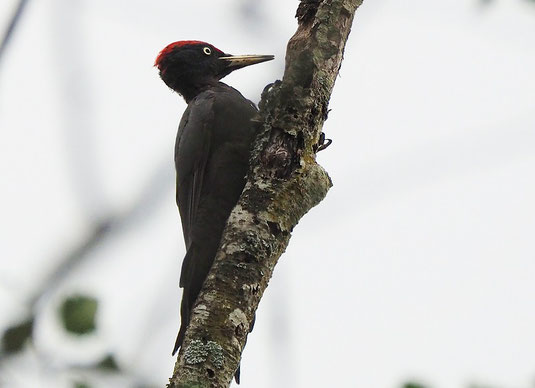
x,y
212,151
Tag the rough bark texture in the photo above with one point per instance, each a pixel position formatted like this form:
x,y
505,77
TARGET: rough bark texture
x,y
283,184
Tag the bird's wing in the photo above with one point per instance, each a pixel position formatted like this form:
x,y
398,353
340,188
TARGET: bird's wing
x,y
191,155
212,157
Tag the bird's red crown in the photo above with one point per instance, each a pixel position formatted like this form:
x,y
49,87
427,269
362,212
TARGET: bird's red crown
x,y
170,47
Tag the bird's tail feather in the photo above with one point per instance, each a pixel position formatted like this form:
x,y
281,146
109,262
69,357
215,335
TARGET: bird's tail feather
x,y
179,338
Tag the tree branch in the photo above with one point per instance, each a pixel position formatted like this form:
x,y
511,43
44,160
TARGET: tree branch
x,y
15,18
283,184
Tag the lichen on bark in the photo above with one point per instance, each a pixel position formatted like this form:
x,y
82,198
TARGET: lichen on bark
x,y
283,184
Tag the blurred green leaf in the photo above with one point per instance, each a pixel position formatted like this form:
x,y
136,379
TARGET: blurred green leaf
x,y
412,384
108,363
15,337
79,384
78,314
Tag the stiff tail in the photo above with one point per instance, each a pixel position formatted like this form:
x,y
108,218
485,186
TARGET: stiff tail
x,y
184,317
179,338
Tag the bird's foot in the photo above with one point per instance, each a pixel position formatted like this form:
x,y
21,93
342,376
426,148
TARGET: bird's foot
x,y
321,144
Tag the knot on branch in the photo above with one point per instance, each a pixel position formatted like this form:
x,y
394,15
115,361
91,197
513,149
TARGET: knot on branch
x,y
281,156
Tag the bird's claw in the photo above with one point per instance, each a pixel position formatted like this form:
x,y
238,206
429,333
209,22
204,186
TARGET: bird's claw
x,y
322,143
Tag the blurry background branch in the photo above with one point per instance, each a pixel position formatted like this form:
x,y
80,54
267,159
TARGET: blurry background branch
x,y
155,186
78,313
12,24
79,132
82,159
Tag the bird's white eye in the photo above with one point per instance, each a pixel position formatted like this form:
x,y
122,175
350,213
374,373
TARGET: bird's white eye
x,y
207,50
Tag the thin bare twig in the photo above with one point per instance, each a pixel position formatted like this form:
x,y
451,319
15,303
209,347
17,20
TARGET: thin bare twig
x,y
15,19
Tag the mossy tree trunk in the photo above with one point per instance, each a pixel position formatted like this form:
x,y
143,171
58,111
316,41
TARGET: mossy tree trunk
x,y
284,183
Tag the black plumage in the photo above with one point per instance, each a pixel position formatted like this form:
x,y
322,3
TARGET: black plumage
x,y
212,153
211,160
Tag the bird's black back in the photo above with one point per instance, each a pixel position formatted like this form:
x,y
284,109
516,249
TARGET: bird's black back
x,y
212,153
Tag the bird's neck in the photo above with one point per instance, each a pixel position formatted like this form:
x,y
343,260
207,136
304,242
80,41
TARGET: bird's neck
x,y
190,88
189,92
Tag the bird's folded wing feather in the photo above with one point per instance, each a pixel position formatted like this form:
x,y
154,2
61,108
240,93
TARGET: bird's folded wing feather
x,y
191,155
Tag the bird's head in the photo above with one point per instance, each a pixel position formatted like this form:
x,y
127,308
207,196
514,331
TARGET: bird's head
x,y
189,66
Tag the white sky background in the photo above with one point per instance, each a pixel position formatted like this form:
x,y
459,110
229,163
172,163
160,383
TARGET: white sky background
x,y
418,264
